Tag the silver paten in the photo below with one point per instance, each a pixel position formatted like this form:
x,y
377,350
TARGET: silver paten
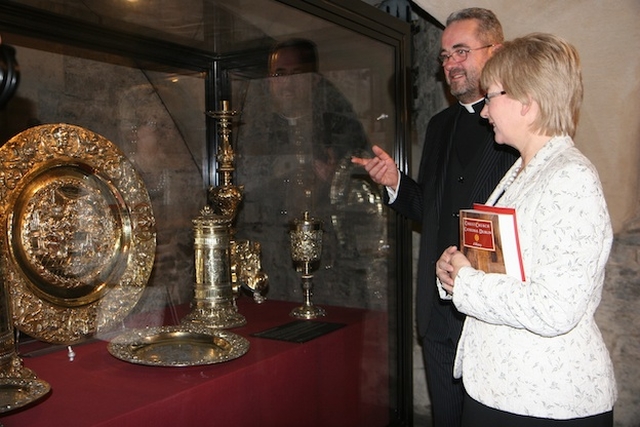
x,y
177,346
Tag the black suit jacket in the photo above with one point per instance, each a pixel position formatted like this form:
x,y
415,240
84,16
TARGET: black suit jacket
x,y
422,200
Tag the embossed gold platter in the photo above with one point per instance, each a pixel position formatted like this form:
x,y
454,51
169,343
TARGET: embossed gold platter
x,y
178,346
79,232
18,392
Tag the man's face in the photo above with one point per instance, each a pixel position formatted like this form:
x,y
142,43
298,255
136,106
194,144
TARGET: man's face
x,y
464,77
288,61
290,82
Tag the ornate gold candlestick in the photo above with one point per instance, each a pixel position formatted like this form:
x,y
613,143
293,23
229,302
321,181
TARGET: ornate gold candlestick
x,y
10,363
226,197
306,248
19,385
246,269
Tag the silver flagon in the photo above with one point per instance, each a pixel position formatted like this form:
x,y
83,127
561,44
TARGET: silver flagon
x,y
213,304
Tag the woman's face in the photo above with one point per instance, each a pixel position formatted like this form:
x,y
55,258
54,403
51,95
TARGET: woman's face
x,y
505,115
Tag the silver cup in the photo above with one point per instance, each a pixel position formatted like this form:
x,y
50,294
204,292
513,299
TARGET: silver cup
x,y
306,248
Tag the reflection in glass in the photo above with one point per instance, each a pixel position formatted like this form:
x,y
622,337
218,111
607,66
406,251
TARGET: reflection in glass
x,y
292,154
155,118
298,133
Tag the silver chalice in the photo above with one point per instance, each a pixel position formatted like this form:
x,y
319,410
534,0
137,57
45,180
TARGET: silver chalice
x,y
306,248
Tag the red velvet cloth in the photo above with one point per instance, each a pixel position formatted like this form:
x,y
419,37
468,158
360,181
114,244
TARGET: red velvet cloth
x,y
338,379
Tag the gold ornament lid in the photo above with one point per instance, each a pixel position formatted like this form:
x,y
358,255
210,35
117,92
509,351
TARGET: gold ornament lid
x,y
306,223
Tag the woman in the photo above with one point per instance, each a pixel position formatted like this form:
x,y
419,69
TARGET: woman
x,y
530,352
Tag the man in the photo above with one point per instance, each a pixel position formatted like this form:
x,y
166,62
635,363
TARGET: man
x,y
306,102
296,143
461,164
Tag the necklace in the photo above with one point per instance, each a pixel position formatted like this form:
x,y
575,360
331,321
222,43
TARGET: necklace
x,y
503,185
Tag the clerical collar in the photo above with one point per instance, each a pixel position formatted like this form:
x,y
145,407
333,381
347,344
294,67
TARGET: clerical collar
x,y
469,107
292,121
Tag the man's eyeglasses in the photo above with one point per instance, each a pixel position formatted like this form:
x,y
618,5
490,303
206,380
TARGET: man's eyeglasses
x,y
489,96
459,55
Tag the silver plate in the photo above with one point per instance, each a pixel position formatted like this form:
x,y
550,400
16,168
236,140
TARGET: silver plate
x,y
177,346
18,392
78,232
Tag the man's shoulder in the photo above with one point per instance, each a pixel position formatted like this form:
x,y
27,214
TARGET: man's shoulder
x,y
443,120
446,114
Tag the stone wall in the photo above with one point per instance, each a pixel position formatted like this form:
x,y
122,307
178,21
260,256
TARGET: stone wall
x,y
619,320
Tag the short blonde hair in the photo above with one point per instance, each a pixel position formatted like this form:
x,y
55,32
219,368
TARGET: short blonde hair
x,y
545,68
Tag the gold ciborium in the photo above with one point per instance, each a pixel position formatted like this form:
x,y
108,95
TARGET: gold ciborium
x,y
306,248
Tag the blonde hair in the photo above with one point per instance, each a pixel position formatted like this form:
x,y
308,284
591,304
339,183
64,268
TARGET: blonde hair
x,y
545,68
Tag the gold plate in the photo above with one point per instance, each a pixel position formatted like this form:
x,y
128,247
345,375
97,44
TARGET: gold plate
x,y
18,392
178,346
78,231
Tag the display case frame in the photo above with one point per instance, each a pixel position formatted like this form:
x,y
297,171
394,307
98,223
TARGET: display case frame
x,y
147,46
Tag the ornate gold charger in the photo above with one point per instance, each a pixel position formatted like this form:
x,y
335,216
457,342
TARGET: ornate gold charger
x,y
18,392
178,346
79,232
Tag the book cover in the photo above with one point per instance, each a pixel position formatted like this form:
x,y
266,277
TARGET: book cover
x,y
489,239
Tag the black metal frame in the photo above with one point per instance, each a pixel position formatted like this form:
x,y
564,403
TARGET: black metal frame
x,y
129,41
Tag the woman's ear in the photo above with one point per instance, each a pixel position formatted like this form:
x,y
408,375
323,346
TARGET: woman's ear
x,y
528,106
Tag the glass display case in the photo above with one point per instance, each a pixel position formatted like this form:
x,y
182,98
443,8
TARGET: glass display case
x,y
144,74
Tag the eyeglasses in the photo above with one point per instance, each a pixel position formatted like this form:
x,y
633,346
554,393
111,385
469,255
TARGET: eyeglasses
x,y
488,97
459,55
285,73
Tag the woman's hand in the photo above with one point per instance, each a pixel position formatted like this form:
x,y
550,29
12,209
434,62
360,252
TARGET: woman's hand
x,y
448,266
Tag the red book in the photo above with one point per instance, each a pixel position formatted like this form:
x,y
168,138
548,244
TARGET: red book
x,y
489,239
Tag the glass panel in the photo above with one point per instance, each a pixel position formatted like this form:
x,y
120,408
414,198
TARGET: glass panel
x,y
294,142
156,118
294,136
215,25
177,21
